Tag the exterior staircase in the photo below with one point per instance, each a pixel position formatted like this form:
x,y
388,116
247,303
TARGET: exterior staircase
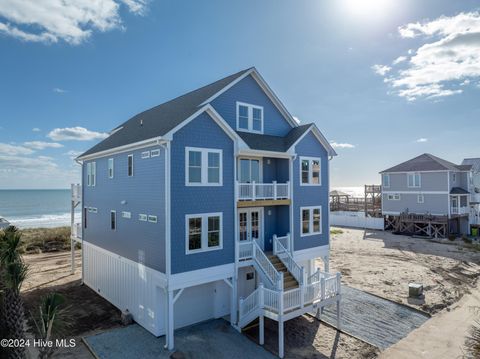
x,y
289,281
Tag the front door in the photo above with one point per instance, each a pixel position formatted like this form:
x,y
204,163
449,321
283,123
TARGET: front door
x,y
250,225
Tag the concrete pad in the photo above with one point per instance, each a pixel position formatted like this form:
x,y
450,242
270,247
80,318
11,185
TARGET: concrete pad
x,y
212,339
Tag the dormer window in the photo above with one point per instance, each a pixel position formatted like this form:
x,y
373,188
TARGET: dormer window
x,y
249,118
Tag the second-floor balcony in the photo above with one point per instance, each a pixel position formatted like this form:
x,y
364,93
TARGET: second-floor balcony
x,y
255,192
459,210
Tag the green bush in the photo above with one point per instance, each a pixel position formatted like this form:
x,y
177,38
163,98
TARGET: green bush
x,y
38,240
451,237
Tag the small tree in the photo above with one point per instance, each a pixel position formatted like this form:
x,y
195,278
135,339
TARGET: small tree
x,y
51,321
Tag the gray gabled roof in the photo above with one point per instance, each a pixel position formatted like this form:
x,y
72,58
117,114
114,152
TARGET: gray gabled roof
x,y
274,143
425,162
160,119
458,190
473,162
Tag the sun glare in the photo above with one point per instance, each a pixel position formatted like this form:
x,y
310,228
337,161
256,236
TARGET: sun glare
x,y
370,9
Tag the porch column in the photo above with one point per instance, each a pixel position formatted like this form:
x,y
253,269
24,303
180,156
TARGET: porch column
x,y
234,301
326,263
281,349
170,329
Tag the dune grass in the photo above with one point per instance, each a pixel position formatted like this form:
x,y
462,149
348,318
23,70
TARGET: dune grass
x,y
335,231
39,240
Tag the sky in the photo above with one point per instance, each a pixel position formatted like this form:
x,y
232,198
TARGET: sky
x,y
384,80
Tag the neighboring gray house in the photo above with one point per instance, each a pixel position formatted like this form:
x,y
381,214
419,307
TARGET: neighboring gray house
x,y
430,185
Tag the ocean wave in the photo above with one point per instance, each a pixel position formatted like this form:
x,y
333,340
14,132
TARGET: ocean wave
x,y
47,220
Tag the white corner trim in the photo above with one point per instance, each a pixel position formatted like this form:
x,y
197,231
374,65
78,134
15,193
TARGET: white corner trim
x,y
201,276
311,253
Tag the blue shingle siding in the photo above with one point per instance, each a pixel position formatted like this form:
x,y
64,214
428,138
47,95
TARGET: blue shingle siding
x,y
275,169
248,91
277,222
310,195
201,132
144,192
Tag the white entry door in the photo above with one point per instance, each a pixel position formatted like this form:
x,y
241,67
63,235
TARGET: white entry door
x,y
250,225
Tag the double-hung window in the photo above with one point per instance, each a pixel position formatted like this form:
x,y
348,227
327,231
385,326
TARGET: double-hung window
x,y
203,167
311,220
310,171
203,232
394,197
249,118
420,198
110,168
130,165
413,180
91,174
386,180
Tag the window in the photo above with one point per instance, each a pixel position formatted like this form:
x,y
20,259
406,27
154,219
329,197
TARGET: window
x,y
249,170
85,217
413,180
154,153
203,232
454,177
203,167
152,219
250,275
311,218
110,168
420,198
146,154
386,180
130,165
249,118
394,197
310,171
91,174
92,210
127,215
142,217
113,220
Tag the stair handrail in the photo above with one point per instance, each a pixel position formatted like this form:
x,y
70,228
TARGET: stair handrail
x,y
315,277
266,266
250,303
284,255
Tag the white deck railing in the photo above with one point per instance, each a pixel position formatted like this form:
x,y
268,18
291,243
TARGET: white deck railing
x,y
459,210
281,251
281,303
275,277
263,191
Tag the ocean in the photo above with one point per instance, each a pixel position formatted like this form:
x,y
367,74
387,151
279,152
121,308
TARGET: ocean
x,y
36,208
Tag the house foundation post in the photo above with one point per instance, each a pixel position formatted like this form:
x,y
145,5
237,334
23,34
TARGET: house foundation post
x,y
261,327
281,350
170,329
234,301
339,291
326,263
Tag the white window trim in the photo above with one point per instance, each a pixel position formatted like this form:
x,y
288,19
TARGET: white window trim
x,y
260,166
111,160
89,174
130,156
454,177
250,117
126,215
383,180
310,170
422,198
393,197
310,226
155,153
203,167
115,214
204,235
142,215
419,179
145,154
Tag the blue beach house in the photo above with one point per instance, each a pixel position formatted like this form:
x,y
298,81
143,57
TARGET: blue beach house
x,y
213,204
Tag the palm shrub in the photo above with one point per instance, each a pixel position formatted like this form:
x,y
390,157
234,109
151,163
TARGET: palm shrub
x,y
51,321
472,343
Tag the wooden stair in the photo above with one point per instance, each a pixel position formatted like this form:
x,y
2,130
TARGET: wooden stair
x,y
289,281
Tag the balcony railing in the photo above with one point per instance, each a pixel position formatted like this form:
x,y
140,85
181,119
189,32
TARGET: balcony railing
x,y
459,210
263,191
475,197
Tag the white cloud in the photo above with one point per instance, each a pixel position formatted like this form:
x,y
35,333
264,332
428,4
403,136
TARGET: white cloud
x,y
73,154
399,60
35,129
75,134
381,69
341,145
422,139
448,58
13,150
59,90
73,21
40,145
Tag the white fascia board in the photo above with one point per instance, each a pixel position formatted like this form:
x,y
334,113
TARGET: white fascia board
x,y
403,172
261,153
320,137
129,147
266,89
200,276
